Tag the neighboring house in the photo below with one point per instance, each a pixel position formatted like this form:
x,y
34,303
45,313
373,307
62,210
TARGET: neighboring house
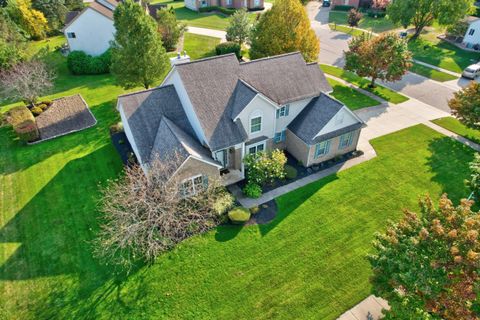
x,y
248,4
215,111
91,30
353,3
472,36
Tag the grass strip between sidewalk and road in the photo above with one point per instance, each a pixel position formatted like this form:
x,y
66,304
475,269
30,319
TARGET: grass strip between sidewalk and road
x,y
459,128
431,73
380,91
351,97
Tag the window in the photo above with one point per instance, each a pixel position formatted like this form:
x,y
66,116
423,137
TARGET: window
x,y
193,185
283,111
471,32
322,149
228,2
256,124
71,35
256,3
256,148
346,140
280,136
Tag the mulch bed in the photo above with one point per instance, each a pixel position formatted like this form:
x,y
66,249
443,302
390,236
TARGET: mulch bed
x,y
64,116
123,147
267,212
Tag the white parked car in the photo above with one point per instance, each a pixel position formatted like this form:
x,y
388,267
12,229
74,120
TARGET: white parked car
x,y
472,71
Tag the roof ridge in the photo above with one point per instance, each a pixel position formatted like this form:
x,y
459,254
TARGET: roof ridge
x,y
205,59
271,57
145,90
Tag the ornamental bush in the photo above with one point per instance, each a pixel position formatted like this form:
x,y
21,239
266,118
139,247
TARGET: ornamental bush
x,y
263,167
23,123
252,190
239,215
80,63
290,172
343,8
228,47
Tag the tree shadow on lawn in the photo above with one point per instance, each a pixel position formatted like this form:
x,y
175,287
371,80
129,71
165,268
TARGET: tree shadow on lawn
x,y
449,162
55,230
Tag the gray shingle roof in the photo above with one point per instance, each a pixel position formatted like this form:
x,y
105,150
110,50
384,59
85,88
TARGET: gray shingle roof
x,y
144,111
314,117
213,87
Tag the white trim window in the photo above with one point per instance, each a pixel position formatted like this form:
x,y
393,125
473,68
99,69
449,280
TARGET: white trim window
x,y
255,148
256,3
283,111
345,140
228,2
256,124
322,149
471,32
193,185
280,136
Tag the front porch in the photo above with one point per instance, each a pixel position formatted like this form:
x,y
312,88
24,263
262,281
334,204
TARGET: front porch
x,y
231,176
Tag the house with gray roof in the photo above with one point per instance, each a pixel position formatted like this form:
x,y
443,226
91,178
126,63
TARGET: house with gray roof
x,y
215,111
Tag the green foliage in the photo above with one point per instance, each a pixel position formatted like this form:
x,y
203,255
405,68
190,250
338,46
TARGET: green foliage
x,y
10,54
474,182
343,8
252,190
290,172
354,17
223,202
422,13
459,128
36,110
227,11
465,105
385,57
78,62
31,21
458,29
426,266
23,123
239,215
116,128
283,29
53,10
228,47
170,29
239,27
263,167
139,60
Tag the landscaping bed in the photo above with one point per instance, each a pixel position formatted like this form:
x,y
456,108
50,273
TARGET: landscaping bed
x,y
459,128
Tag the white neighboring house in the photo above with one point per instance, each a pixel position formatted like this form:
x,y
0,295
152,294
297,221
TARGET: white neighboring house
x,y
91,30
472,36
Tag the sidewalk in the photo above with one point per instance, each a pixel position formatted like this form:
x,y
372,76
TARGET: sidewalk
x,y
208,32
371,306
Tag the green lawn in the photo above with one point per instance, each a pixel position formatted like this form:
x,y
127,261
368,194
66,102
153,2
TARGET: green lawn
x,y
431,73
442,54
352,98
368,23
382,92
346,29
199,46
456,126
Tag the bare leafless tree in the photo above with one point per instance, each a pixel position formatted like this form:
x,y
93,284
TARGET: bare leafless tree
x,y
147,215
26,81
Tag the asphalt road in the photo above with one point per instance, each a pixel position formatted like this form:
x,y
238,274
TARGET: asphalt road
x,y
333,44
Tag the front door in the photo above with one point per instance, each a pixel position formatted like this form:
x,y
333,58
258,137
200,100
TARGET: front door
x,y
222,157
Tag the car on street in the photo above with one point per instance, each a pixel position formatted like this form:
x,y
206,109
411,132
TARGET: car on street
x,y
326,3
472,71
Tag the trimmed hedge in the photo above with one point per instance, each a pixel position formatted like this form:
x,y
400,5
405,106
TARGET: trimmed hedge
x,y
228,47
227,11
343,8
80,63
239,215
23,123
376,13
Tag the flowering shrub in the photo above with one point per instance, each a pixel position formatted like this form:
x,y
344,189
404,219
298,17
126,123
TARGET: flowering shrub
x,y
265,167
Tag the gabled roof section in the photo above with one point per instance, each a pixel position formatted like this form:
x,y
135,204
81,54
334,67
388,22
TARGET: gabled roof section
x,y
144,111
215,88
96,6
315,116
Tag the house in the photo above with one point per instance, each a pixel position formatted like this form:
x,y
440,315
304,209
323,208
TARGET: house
x,y
352,3
471,39
217,110
91,30
237,4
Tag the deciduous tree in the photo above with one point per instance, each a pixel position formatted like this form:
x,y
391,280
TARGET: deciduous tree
x,y
426,266
465,105
53,10
32,21
354,17
140,59
474,181
422,13
285,28
385,57
239,27
26,81
170,29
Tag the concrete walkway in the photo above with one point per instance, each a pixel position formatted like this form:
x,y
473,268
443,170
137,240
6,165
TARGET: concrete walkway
x,y
208,32
372,306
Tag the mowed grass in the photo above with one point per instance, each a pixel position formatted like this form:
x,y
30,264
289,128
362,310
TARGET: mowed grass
x,y
199,46
459,128
308,263
346,29
431,73
381,91
376,25
351,97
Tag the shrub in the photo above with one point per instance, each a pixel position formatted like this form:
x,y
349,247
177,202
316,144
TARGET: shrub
x,y
23,123
239,215
227,11
343,8
290,172
36,110
223,203
265,167
255,210
28,133
376,13
228,47
80,63
116,128
43,106
252,190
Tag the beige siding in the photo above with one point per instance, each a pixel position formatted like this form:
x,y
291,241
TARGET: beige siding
x,y
297,148
334,151
193,167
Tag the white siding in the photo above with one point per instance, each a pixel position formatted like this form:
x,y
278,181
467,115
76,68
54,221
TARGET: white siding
x,y
174,78
191,4
93,33
294,109
343,118
475,37
259,107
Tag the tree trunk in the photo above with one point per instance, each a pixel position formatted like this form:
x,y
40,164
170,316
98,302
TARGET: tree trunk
x,y
418,30
372,83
